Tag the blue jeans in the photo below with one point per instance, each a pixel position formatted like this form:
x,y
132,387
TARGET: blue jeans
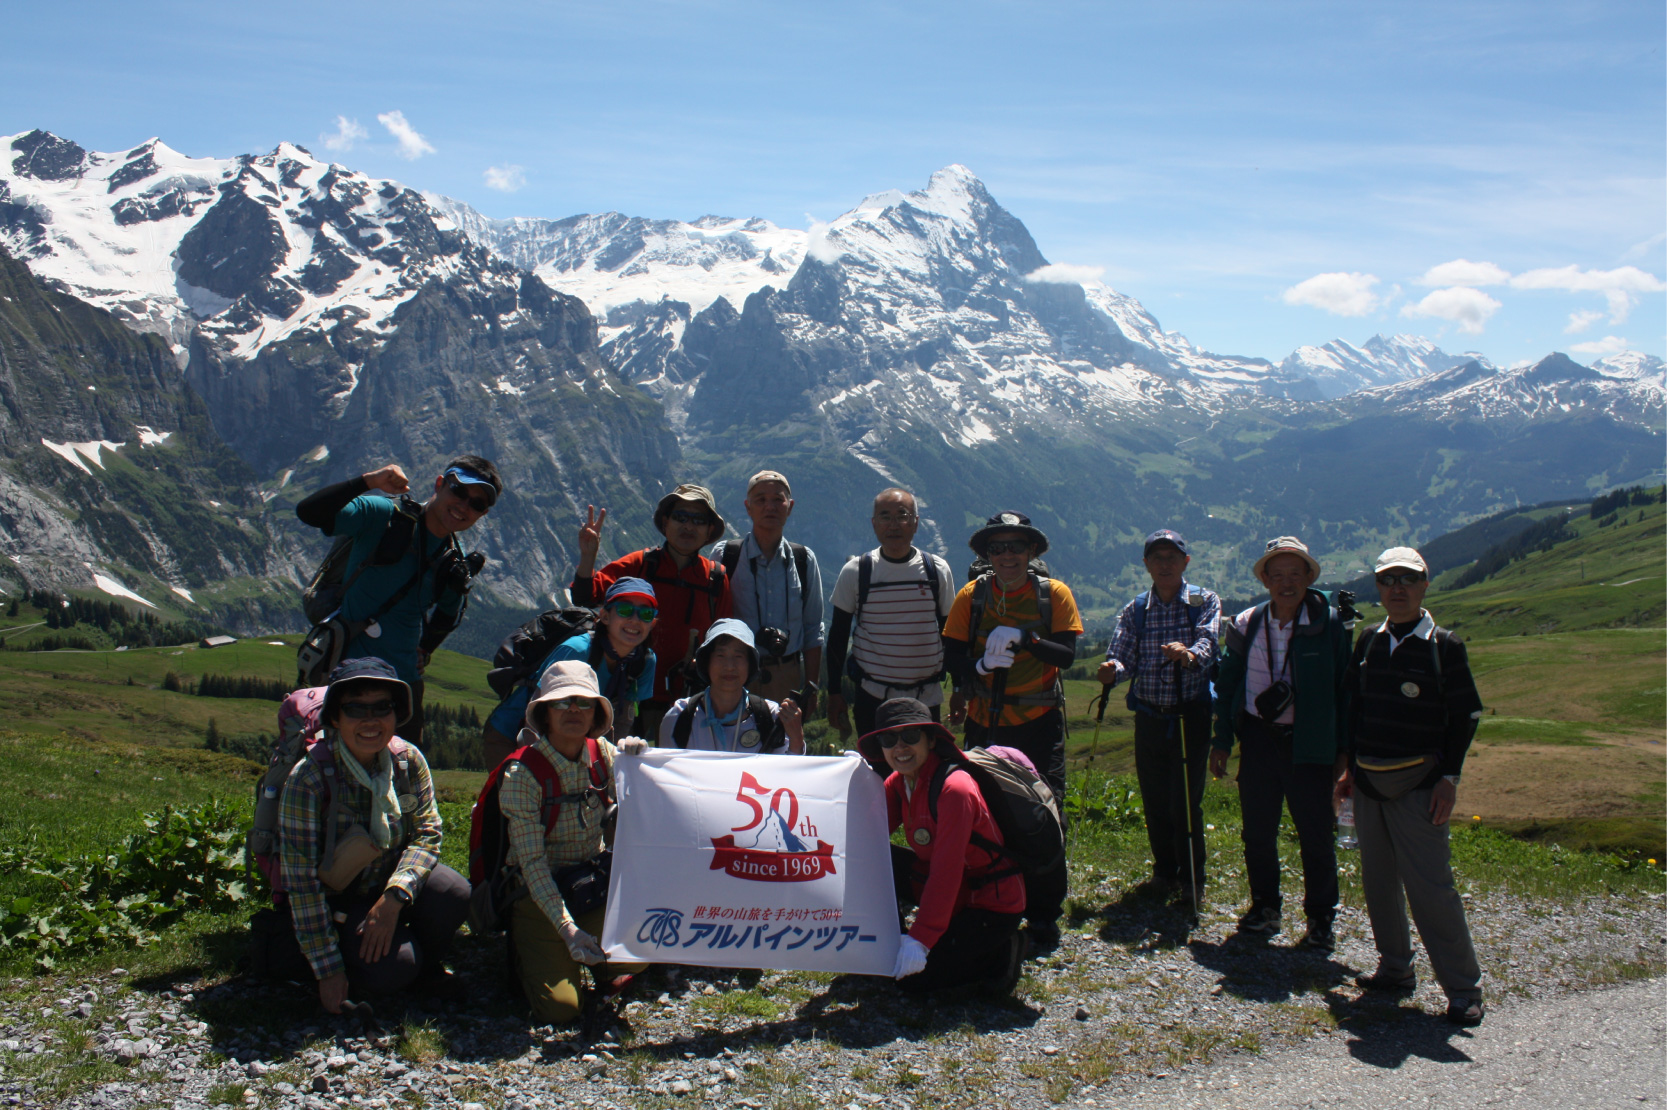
x,y
1268,782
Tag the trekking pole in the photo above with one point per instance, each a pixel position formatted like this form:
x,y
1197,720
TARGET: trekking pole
x,y
1186,786
1099,715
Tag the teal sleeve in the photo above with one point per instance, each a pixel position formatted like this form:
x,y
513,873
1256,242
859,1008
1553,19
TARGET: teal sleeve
x,y
369,512
645,681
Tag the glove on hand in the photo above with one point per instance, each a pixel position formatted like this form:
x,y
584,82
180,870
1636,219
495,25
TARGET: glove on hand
x,y
633,745
998,649
911,958
581,945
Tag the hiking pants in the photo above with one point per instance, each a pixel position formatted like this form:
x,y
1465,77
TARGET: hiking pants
x,y
1401,849
1170,757
548,973
1043,742
422,938
975,947
1268,782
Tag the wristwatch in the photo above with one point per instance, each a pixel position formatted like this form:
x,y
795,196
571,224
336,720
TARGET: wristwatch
x,y
1454,779
399,894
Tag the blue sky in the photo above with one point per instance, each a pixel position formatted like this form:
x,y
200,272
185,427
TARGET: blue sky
x,y
1259,175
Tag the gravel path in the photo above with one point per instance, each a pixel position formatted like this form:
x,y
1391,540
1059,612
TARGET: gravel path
x,y
1598,1049
1131,1007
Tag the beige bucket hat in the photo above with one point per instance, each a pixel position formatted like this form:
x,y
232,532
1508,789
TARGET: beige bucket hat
x,y
571,678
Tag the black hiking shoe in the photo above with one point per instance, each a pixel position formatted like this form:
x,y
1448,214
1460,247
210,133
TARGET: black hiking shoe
x,y
1320,937
1467,1012
1261,921
1004,982
1043,936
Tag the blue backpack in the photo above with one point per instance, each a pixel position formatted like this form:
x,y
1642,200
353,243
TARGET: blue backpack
x,y
1195,613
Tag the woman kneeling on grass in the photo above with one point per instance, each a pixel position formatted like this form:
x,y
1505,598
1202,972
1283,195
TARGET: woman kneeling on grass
x,y
359,847
970,901
549,938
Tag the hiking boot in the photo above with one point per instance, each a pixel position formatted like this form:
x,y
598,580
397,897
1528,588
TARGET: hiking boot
x,y
1383,980
1043,936
1320,936
1262,921
1467,1012
1160,889
1008,978
1189,896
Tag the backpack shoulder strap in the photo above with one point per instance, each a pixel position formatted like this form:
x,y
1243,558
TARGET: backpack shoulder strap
x,y
932,564
730,557
651,564
400,751
1137,614
683,727
323,756
980,599
772,733
935,787
865,582
1044,601
1362,649
801,560
597,765
548,781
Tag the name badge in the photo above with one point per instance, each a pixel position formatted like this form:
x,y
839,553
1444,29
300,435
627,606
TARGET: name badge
x,y
750,738
407,803
373,630
1410,689
923,837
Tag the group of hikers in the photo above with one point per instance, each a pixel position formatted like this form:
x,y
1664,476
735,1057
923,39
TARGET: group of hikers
x,y
672,648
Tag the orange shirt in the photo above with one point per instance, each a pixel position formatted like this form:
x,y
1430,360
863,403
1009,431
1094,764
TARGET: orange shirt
x,y
1028,676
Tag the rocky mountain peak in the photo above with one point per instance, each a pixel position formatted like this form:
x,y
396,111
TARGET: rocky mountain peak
x,y
45,157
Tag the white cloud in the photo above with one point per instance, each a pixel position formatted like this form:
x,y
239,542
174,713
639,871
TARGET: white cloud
x,y
820,246
347,133
1608,345
1340,294
1064,273
1580,321
1618,286
505,179
411,143
1468,308
1462,271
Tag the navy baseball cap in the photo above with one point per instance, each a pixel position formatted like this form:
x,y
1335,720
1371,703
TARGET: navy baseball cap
x,y
1169,536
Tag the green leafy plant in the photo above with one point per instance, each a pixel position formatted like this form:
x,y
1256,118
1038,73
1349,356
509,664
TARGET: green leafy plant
x,y
185,860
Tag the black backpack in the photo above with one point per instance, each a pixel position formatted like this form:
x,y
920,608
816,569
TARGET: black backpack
x,y
326,591
1024,809
521,652
772,739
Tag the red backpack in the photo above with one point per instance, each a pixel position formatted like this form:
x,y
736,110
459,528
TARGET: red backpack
x,y
494,887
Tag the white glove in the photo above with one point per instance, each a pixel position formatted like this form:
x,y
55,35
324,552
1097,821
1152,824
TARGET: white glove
x,y
581,945
911,958
998,649
633,745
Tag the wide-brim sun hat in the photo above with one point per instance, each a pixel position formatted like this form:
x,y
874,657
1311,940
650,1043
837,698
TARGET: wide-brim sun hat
x,y
1285,545
735,630
896,714
1008,521
367,668
688,491
570,678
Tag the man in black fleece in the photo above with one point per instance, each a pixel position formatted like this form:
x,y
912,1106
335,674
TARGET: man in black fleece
x,y
1413,709
406,579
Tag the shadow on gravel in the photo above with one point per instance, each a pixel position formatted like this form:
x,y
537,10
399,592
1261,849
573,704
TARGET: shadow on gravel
x,y
1140,918
1385,1034
1257,971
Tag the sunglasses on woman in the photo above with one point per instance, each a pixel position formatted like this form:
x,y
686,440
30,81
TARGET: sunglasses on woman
x,y
575,702
909,736
366,710
644,613
458,490
1410,578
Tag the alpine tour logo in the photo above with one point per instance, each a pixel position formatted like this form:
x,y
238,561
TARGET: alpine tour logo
x,y
777,852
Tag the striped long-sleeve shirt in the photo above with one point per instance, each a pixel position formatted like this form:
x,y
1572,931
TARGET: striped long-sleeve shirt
x,y
302,837
577,833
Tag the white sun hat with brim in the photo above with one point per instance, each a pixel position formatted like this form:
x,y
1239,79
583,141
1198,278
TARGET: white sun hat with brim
x,y
1286,545
570,678
1406,558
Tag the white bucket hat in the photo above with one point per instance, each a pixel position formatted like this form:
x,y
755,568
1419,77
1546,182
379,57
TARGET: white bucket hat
x,y
570,678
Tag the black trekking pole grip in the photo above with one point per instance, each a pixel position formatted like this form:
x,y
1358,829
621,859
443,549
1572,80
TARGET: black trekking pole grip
x,y
1105,696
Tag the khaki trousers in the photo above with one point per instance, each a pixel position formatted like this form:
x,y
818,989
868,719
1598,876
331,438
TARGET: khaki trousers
x,y
547,971
784,679
1402,850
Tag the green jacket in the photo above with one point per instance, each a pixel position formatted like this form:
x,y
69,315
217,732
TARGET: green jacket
x,y
1319,660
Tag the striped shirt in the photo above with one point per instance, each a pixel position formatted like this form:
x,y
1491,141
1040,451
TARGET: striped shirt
x,y
1266,657
301,840
895,638
577,834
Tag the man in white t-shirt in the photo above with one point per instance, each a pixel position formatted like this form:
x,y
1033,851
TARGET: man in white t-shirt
x,y
888,610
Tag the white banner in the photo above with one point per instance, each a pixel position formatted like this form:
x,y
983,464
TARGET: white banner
x,y
771,861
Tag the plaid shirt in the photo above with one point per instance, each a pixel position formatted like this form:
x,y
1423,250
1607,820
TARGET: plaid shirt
x,y
301,840
577,835
1167,622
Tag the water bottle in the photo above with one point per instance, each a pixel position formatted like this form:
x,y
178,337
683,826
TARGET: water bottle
x,y
1346,840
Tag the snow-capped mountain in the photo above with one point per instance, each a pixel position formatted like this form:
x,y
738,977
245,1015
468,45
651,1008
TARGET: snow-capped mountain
x,y
1630,389
1340,367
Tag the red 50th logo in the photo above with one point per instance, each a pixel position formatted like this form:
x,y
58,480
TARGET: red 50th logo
x,y
774,846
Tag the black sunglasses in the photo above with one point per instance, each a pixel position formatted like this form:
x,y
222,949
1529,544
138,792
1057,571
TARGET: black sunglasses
x,y
1004,547
909,736
1410,578
683,516
365,710
459,491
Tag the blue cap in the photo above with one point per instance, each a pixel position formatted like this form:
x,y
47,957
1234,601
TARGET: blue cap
x,y
1169,536
470,478
630,587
